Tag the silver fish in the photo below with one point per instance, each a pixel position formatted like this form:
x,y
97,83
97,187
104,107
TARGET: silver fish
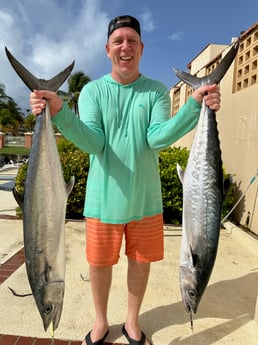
x,y
43,205
202,195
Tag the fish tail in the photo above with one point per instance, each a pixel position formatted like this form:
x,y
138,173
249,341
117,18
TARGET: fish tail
x,y
216,76
33,82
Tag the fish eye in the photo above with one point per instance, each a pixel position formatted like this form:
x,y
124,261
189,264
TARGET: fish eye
x,y
192,294
48,309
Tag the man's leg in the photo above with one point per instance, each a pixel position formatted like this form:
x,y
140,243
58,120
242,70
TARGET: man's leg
x,y
101,256
137,279
144,244
100,278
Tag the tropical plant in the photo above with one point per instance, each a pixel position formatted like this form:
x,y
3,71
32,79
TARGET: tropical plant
x,y
29,123
172,191
3,97
11,116
171,187
75,85
76,163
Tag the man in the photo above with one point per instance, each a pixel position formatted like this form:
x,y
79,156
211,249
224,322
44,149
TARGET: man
x,y
124,122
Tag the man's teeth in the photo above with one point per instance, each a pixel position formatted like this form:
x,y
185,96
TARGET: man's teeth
x,y
126,58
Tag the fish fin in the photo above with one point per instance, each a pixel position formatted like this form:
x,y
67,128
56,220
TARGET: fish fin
x,y
39,84
194,257
180,173
70,185
18,197
216,76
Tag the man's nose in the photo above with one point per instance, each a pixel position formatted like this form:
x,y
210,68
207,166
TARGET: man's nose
x,y
125,44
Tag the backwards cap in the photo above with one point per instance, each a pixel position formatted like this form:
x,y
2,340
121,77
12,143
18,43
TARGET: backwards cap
x,y
123,21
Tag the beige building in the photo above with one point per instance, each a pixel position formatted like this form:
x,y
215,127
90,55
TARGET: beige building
x,y
237,118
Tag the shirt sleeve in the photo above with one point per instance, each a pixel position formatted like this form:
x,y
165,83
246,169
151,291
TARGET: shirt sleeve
x,y
85,131
162,133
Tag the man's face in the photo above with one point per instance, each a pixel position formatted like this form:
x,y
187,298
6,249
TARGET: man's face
x,y
124,48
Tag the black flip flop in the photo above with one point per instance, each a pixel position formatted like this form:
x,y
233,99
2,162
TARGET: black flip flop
x,y
99,342
133,341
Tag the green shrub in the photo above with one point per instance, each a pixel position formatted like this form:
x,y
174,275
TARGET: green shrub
x,y
171,187
172,191
230,195
76,163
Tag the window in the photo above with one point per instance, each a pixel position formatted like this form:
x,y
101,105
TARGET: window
x,y
246,63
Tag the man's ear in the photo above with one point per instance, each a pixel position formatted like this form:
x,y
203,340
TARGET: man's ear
x,y
142,47
107,49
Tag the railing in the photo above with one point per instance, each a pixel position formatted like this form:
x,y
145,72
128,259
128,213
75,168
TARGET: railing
x,y
14,141
21,141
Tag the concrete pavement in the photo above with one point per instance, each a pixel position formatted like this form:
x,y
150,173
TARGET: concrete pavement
x,y
225,315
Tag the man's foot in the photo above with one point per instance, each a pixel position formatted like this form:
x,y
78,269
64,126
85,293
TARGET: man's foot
x,y
88,339
142,341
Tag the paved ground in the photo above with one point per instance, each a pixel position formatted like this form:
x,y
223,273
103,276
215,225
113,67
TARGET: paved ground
x,y
225,316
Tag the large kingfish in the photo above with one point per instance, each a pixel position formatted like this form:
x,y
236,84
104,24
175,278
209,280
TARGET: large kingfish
x,y
43,205
202,195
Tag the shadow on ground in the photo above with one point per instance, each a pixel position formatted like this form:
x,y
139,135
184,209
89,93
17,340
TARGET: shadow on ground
x,y
233,300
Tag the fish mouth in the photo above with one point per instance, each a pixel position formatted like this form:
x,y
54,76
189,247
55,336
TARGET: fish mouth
x,y
191,301
51,308
190,308
51,322
187,305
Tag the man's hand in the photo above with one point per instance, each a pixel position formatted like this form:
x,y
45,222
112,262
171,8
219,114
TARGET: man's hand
x,y
210,94
38,99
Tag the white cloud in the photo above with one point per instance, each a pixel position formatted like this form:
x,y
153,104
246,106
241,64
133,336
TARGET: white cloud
x,y
148,23
176,36
46,36
6,22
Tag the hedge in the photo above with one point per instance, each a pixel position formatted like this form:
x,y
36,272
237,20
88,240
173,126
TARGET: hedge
x,y
76,163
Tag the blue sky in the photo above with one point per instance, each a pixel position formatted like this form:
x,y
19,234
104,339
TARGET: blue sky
x,y
46,35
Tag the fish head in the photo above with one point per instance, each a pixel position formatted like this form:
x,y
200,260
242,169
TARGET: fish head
x,y
191,288
50,303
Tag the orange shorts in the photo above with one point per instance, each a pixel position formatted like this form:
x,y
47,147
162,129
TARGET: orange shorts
x,y
144,240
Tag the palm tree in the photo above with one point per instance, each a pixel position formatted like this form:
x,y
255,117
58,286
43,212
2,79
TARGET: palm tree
x,y
3,97
75,85
11,116
29,123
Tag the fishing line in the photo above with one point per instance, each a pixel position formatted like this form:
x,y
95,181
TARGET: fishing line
x,y
191,324
17,294
191,321
241,197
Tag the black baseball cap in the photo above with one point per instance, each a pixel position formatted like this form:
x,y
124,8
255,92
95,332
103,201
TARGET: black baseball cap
x,y
124,21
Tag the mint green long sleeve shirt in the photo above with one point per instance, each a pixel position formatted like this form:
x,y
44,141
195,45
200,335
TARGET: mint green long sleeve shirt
x,y
123,128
